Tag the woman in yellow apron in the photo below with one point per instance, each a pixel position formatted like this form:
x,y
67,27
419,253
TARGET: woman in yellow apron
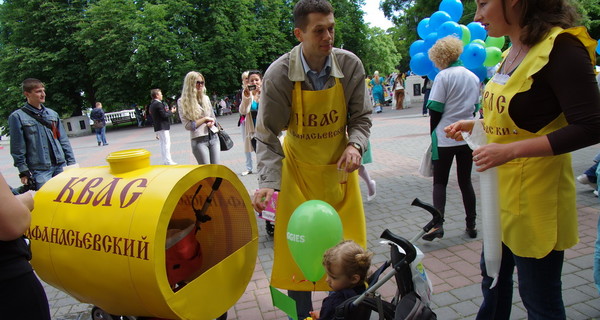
x,y
541,105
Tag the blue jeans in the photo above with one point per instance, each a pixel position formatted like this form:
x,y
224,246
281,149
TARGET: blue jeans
x,y
597,260
42,176
540,287
101,135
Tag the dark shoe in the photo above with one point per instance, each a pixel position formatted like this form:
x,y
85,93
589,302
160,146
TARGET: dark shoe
x,y
437,232
99,143
472,232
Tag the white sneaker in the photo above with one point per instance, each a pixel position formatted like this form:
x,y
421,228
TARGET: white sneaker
x,y
596,193
583,179
245,173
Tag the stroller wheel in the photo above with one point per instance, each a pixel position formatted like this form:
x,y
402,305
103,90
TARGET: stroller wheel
x,y
270,228
99,314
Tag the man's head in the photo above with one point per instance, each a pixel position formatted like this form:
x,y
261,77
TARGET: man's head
x,y
34,91
156,94
314,26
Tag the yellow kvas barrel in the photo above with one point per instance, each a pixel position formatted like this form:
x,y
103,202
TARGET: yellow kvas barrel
x,y
101,234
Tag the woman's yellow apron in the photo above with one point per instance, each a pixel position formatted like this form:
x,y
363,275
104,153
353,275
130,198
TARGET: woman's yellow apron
x,y
537,195
315,140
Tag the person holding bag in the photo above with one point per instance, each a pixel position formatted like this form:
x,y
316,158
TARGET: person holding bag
x,y
198,117
533,119
454,96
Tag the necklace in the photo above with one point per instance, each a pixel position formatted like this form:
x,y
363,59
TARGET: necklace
x,y
511,63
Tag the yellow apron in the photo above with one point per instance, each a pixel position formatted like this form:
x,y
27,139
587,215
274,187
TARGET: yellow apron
x,y
537,195
312,147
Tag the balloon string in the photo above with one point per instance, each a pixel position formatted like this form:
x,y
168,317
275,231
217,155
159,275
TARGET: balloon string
x,y
295,281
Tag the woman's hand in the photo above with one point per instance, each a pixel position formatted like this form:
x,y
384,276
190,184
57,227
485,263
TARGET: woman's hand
x,y
492,155
455,130
209,121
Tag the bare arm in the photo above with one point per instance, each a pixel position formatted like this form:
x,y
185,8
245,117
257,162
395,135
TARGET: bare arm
x,y
14,214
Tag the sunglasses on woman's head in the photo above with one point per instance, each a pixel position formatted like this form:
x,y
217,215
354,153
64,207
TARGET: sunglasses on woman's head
x,y
200,83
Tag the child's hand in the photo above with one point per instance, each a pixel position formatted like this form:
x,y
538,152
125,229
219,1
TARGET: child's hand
x,y
314,315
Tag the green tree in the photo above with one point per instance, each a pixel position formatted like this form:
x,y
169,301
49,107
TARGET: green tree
x,y
36,42
381,55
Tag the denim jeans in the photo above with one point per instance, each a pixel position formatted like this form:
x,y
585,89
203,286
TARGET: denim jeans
x,y
597,259
42,176
101,135
540,287
591,173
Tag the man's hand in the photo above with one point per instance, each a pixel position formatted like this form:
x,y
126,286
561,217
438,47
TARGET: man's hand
x,y
350,159
261,198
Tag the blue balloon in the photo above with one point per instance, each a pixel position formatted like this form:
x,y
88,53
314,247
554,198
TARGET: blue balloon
x,y
473,55
477,31
430,41
420,64
480,72
453,7
598,47
450,28
423,28
416,47
431,75
437,18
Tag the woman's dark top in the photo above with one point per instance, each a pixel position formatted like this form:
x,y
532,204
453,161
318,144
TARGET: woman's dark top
x,y
14,258
567,84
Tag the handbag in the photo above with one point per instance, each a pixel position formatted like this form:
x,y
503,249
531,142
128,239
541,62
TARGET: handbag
x,y
426,166
224,139
98,124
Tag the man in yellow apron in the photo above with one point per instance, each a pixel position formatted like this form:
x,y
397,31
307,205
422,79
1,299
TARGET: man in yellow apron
x,y
318,94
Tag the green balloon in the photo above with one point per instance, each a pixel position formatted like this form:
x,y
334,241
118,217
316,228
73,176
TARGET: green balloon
x,y
466,35
479,41
314,227
492,56
494,42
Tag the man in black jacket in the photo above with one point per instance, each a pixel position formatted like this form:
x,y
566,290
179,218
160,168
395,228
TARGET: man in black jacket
x,y
160,114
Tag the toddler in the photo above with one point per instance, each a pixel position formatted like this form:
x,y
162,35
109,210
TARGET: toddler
x,y
346,264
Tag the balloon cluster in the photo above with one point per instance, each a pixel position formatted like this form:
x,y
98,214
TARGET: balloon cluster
x,y
480,51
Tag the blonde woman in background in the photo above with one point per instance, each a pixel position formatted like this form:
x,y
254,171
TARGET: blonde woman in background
x,y
197,116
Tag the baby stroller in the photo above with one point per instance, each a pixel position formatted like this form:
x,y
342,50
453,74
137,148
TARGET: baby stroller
x,y
411,301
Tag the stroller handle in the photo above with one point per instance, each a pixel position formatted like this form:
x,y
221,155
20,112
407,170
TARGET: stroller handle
x,y
435,213
409,248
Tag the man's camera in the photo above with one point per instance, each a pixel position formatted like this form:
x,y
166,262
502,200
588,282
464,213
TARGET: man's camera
x,y
252,87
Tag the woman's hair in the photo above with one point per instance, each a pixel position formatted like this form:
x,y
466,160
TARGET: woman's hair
x,y
191,101
445,51
251,72
245,74
539,16
305,7
351,257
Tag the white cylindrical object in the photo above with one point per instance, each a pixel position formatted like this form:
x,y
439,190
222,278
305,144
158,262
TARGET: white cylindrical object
x,y
490,209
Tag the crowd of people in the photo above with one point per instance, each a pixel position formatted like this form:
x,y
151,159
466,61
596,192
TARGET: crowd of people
x,y
530,135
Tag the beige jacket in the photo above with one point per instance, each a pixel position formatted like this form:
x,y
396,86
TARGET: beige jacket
x,y
201,130
276,103
248,122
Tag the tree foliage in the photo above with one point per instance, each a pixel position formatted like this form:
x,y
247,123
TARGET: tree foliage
x,y
115,51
